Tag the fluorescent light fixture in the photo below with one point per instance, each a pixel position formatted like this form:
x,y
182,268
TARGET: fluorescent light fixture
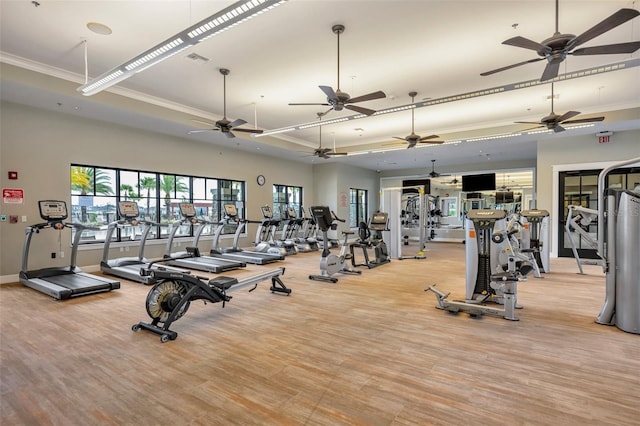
x,y
469,95
492,137
576,126
223,20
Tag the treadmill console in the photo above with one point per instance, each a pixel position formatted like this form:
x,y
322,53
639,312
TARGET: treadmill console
x,y
291,212
53,211
128,209
187,210
231,210
267,213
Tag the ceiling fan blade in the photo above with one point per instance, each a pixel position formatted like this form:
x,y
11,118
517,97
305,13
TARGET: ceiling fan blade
x,y
336,153
368,97
525,43
206,123
510,66
609,49
323,104
238,122
584,120
257,131
201,131
431,141
528,122
550,71
428,137
229,134
329,92
618,18
361,110
567,115
558,128
397,137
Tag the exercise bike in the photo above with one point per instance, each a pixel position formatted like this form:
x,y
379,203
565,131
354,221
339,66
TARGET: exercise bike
x,y
330,264
170,297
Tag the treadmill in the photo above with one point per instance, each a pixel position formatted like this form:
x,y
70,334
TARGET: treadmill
x,y
196,260
129,267
234,252
61,282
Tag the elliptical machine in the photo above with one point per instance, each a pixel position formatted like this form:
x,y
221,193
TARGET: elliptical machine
x,y
330,264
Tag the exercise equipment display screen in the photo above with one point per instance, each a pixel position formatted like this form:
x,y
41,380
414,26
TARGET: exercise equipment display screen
x,y
53,209
187,210
128,209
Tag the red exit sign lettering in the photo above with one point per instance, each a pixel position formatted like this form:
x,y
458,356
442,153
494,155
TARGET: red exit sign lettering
x,y
604,139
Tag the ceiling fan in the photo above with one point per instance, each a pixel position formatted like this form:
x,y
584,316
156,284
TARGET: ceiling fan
x,y
433,172
225,126
414,139
556,48
321,152
337,99
554,121
455,181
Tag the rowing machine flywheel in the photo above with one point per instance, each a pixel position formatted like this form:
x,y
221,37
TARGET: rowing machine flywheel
x,y
163,299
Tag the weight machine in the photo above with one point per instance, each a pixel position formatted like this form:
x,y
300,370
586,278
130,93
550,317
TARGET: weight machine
x,y
536,236
575,224
486,234
619,245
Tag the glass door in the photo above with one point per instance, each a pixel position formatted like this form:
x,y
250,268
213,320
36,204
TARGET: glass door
x,y
580,188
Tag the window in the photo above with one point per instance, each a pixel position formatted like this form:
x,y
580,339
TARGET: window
x,y
96,191
358,207
285,196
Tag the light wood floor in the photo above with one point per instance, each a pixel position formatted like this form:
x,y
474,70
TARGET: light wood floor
x,y
369,350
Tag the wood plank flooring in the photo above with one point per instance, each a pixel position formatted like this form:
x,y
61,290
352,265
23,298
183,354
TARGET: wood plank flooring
x,y
369,350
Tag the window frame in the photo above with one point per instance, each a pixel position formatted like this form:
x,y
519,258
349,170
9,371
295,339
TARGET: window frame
x,y
155,195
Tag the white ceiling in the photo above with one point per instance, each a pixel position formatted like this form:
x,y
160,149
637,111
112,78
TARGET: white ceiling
x,y
437,48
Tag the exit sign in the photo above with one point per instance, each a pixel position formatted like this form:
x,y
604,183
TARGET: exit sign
x,y
604,139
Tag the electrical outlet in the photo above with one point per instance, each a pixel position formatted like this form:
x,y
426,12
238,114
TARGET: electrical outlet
x,y
53,255
24,218
61,255
126,248
121,249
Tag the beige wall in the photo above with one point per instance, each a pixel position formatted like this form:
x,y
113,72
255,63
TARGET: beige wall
x,y
332,183
40,145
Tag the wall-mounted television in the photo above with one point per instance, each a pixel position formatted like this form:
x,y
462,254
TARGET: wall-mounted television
x,y
475,183
410,186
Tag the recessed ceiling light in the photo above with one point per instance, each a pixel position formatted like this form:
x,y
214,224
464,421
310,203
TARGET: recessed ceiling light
x,y
99,28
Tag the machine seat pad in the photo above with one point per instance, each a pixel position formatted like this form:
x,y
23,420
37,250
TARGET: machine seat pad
x,y
222,282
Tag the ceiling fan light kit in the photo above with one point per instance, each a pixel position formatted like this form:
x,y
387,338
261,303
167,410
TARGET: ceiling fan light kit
x,y
339,100
231,16
413,139
225,126
321,152
555,122
556,48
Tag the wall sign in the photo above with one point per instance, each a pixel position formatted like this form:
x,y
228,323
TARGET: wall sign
x,y
12,196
